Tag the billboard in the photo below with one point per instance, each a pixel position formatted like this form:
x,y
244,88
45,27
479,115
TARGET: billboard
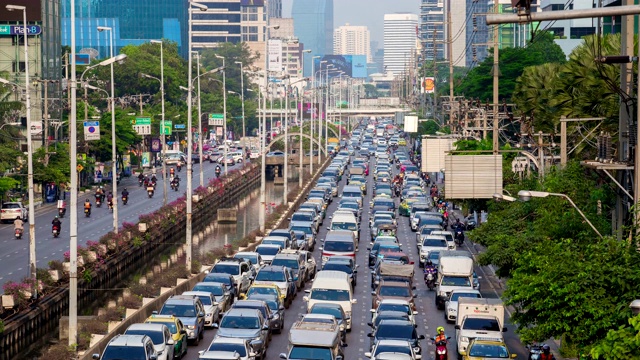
x,y
427,85
434,149
410,124
472,176
354,66
275,55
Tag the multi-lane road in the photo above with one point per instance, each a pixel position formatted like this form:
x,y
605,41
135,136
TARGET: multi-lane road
x,y
428,319
14,254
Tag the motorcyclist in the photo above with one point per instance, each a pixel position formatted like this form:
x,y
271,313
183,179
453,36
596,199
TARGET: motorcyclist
x,y
100,193
441,336
154,179
429,267
125,193
18,224
546,353
218,170
172,172
56,221
140,177
110,199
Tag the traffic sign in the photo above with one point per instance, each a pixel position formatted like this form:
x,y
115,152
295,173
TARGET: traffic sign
x,y
142,129
91,130
141,121
216,119
79,167
165,127
179,126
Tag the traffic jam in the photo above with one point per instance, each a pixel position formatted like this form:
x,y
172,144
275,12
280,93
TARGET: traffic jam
x,y
373,265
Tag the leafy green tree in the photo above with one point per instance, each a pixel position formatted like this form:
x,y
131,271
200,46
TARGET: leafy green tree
x,y
479,81
620,344
125,138
535,92
58,168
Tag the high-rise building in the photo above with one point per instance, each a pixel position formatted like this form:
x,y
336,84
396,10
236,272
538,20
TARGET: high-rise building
x,y
284,30
400,41
133,22
352,40
477,32
275,8
432,29
313,25
220,23
568,33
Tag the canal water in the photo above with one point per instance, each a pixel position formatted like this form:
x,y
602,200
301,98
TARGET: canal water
x,y
248,216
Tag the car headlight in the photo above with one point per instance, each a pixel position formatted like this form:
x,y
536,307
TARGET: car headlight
x,y
190,327
276,316
209,315
464,339
452,310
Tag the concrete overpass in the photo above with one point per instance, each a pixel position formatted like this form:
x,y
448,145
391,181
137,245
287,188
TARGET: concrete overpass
x,y
361,111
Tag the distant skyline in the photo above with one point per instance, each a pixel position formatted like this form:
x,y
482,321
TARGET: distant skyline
x,y
369,13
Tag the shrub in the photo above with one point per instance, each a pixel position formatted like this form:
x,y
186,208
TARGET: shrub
x,y
56,265
94,327
145,290
132,302
59,352
44,276
17,291
112,314
195,266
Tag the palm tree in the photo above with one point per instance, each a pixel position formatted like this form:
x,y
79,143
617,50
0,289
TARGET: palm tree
x,y
534,94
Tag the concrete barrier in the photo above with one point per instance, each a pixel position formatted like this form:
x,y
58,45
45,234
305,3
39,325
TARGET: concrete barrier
x,y
229,215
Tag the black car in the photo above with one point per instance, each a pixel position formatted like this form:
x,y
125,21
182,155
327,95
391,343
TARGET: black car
x,y
195,158
397,330
343,265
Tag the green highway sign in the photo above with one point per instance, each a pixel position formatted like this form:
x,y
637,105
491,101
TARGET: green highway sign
x,y
141,121
166,127
216,116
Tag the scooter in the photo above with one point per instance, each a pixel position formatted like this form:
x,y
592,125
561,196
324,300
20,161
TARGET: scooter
x,y
150,191
61,212
18,233
125,199
535,351
441,349
87,212
430,277
140,181
56,230
459,237
98,201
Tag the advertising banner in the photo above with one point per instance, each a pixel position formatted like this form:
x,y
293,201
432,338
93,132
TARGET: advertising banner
x,y
427,85
275,55
354,66
146,159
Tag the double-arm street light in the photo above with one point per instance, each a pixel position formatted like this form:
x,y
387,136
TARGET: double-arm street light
x,y
244,133
114,169
313,112
200,138
224,110
162,132
27,91
526,195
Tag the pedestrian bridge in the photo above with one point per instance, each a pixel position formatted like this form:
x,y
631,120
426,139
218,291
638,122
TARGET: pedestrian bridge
x,y
361,111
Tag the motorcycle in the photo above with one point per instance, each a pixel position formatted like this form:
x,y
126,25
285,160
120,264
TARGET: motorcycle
x,y
459,237
125,199
441,349
87,212
430,274
175,185
535,351
56,230
150,191
110,205
140,181
98,201
61,212
179,167
218,171
18,233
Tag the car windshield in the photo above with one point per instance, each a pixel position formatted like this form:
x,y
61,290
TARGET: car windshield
x,y
330,295
178,310
302,217
380,222
274,242
396,331
392,349
253,259
455,281
488,351
156,336
305,229
124,353
456,296
427,231
171,325
290,263
481,324
338,267
309,353
231,269
240,322
327,311
339,246
216,290
206,300
399,291
229,347
219,278
259,290
434,243
394,307
267,250
434,256
343,226
271,276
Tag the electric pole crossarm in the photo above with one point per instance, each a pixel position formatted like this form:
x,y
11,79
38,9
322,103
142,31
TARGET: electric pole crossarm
x,y
493,19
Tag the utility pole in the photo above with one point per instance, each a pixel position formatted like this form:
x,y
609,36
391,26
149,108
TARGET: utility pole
x,y
496,72
450,53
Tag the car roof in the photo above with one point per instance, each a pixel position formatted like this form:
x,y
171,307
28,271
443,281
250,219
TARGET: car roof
x,y
197,293
219,355
242,312
395,322
394,301
128,340
147,327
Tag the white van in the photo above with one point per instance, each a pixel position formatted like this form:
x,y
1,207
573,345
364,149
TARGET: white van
x,y
331,286
173,156
340,243
345,221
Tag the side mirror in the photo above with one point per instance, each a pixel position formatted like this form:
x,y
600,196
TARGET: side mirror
x,y
201,352
370,324
170,342
457,327
214,325
307,291
413,288
368,354
283,356
95,356
354,301
373,311
329,227
415,296
201,314
418,357
373,293
370,335
214,304
184,332
154,357
281,308
504,329
421,337
154,312
305,298
415,313
513,356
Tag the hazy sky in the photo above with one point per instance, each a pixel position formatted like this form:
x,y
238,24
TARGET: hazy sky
x,y
369,13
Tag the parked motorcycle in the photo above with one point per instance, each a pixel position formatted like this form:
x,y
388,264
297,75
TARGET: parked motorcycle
x,y
18,233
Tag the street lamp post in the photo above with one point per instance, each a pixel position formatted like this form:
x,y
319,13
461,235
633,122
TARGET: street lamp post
x,y
244,132
326,119
526,195
224,110
162,133
189,230
27,91
200,138
320,113
114,169
313,107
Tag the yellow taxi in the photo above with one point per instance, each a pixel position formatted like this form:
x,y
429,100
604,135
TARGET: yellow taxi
x,y
488,349
178,333
363,186
269,289
405,206
402,142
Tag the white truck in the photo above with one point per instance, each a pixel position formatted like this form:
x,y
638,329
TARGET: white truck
x,y
455,271
478,318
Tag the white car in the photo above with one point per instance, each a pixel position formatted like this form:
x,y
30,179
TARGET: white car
x,y
211,308
432,243
226,347
451,305
13,210
159,334
449,235
237,156
392,350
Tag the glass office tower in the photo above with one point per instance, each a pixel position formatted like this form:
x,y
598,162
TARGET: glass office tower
x,y
313,26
